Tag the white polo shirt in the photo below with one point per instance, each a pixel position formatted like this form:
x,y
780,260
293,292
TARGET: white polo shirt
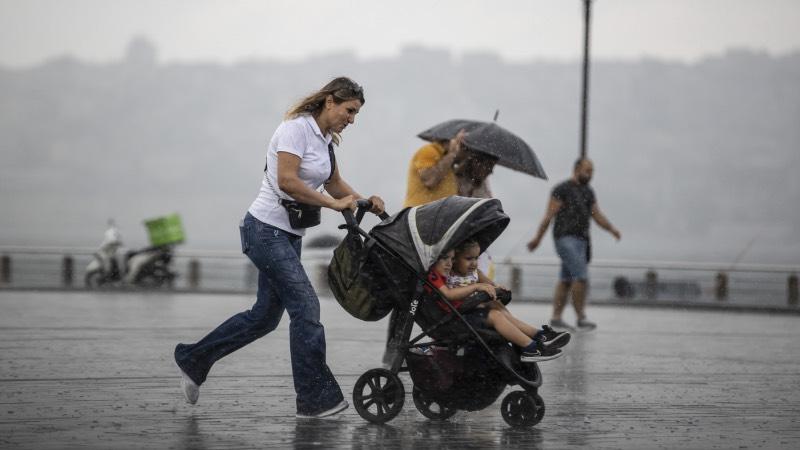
x,y
300,136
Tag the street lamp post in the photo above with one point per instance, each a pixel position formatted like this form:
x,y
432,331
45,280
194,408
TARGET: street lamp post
x,y
587,9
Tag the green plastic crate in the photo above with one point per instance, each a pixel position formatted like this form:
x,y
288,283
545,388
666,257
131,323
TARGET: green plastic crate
x,y
165,230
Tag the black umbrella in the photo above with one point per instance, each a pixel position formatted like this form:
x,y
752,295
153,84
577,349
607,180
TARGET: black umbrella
x,y
448,130
492,139
510,149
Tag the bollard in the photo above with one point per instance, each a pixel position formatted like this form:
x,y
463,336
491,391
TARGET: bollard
x,y
791,288
194,274
5,269
622,288
67,271
651,284
516,281
721,287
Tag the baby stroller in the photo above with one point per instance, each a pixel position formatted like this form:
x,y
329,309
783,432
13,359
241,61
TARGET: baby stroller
x,y
453,366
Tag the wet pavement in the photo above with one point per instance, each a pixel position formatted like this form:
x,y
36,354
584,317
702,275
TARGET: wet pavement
x,y
81,370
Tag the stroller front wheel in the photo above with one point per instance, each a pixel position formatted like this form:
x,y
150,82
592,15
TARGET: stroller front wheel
x,y
522,409
378,395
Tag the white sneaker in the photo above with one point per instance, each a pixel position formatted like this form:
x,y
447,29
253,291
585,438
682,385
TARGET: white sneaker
x,y
335,410
191,391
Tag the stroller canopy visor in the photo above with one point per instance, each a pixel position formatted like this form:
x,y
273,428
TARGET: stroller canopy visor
x,y
420,234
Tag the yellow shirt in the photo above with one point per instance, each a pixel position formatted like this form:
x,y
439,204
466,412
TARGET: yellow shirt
x,y
417,194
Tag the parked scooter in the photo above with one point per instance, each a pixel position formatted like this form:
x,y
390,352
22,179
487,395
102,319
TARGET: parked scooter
x,y
147,268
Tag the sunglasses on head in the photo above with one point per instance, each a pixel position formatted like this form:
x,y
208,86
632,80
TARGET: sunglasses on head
x,y
350,91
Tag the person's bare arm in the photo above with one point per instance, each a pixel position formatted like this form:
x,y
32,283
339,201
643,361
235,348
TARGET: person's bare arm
x,y
289,182
337,187
552,209
462,292
432,176
601,220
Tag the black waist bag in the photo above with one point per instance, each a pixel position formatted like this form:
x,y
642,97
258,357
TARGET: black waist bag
x,y
302,215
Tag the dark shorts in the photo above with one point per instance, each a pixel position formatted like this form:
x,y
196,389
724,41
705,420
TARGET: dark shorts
x,y
573,253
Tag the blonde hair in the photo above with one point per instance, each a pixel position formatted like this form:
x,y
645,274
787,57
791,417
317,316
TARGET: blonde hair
x,y
342,89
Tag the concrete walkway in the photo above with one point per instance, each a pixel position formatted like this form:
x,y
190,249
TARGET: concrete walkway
x,y
80,370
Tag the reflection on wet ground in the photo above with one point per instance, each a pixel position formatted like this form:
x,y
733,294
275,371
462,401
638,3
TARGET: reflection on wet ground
x,y
349,432
95,371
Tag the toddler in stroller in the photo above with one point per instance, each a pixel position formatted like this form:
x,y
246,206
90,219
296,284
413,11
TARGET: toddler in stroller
x,y
453,365
457,277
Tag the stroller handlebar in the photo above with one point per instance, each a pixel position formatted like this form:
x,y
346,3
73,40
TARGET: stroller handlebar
x,y
353,220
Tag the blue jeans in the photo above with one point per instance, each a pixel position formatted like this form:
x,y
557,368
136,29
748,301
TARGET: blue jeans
x,y
282,284
574,261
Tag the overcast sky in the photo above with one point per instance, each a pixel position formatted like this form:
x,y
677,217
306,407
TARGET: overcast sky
x,y
229,31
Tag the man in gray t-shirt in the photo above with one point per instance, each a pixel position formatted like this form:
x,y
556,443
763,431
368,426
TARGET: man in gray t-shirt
x,y
572,204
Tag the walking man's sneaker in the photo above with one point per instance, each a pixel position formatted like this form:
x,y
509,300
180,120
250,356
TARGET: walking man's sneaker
x,y
551,338
335,410
561,325
191,391
540,354
586,324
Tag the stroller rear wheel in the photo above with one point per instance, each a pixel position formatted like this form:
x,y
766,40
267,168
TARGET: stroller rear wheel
x,y
378,395
429,407
522,409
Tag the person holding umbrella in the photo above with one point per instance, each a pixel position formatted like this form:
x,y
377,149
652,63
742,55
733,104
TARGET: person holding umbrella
x,y
572,204
430,173
484,144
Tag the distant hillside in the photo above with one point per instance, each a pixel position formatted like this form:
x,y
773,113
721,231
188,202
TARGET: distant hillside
x,y
692,160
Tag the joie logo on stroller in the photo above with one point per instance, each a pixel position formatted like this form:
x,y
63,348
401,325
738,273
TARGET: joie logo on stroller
x,y
413,309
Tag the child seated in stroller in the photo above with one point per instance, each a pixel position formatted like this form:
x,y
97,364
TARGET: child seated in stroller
x,y
456,275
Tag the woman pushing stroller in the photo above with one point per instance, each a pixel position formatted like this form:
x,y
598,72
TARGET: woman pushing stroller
x,y
457,277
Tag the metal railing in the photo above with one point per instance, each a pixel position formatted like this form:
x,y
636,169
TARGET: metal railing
x,y
662,282
632,282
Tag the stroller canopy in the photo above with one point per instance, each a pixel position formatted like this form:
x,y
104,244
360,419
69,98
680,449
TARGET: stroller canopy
x,y
420,234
